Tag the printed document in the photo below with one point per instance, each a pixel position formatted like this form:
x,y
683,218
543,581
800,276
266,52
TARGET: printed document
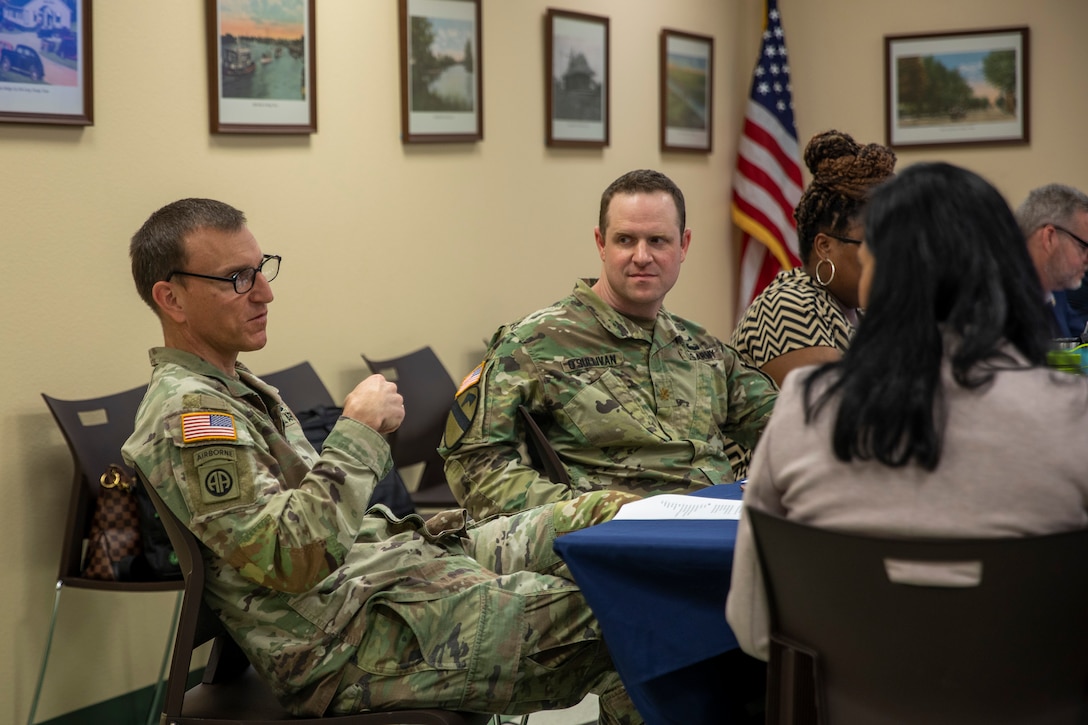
x,y
677,506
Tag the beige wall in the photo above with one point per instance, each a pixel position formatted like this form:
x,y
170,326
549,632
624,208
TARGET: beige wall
x,y
388,247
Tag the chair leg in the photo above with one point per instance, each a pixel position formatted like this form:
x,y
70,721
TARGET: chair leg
x,y
45,656
160,684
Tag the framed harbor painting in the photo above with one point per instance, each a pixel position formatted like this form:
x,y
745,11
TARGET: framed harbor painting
x,y
957,88
687,65
45,62
441,70
261,69
577,84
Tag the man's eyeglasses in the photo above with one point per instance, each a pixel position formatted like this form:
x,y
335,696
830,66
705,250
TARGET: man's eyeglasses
x,y
1083,244
243,279
845,240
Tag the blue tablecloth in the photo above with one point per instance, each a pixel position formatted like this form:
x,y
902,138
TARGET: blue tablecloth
x,y
658,590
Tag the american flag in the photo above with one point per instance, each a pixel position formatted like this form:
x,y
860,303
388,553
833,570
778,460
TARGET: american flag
x,y
206,426
767,182
471,379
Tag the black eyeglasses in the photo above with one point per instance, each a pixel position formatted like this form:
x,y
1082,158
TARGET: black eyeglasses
x,y
243,279
845,240
1083,244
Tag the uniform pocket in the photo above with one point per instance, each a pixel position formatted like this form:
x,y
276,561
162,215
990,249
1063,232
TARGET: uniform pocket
x,y
608,413
414,636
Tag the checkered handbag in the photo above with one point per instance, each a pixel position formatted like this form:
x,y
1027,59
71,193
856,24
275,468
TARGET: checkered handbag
x,y
114,539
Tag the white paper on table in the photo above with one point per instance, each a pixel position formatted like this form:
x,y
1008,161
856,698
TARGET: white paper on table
x,y
677,506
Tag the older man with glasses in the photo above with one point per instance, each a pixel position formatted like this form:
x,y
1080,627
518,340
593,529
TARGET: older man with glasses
x,y
1054,219
341,607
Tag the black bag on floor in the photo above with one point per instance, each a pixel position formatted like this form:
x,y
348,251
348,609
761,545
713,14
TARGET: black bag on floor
x,y
317,423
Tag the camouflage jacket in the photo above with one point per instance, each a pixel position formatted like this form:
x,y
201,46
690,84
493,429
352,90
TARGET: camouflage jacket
x,y
647,411
294,563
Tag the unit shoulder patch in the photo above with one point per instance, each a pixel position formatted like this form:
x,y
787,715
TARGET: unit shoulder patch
x,y
464,407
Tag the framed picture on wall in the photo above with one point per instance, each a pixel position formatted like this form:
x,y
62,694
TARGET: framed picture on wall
x,y
577,79
261,72
441,92
45,63
687,67
967,87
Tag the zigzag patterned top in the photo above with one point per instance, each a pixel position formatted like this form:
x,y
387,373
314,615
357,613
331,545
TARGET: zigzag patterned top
x,y
792,313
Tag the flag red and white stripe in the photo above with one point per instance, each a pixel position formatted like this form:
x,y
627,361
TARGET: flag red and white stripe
x,y
767,181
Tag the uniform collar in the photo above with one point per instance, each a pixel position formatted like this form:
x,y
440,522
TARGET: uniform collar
x,y
197,364
619,325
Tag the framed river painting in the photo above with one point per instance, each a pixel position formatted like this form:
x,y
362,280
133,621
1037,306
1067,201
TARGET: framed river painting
x,y
441,91
261,76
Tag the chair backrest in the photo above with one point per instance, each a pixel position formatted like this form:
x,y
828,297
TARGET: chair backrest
x,y
925,630
541,452
231,690
94,429
428,392
300,387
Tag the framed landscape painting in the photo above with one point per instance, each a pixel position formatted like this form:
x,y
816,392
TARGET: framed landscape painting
x,y
687,65
966,87
441,70
45,62
261,73
577,83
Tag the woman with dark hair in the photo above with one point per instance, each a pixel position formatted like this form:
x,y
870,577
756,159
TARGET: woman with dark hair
x,y
807,315
941,419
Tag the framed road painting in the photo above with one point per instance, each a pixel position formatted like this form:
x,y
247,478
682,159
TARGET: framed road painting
x,y
687,66
966,87
261,72
45,62
577,83
441,70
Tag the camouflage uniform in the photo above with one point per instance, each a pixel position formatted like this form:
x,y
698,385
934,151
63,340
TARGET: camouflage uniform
x,y
344,610
625,407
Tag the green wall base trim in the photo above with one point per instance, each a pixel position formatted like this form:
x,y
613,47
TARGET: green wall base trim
x,y
128,709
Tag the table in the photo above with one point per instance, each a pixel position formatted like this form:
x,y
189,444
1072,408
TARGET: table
x,y
658,589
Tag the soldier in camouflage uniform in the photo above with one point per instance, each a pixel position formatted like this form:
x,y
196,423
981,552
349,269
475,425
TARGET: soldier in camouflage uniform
x,y
631,397
339,608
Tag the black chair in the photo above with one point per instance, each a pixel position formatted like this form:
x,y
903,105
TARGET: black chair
x,y
300,387
308,398
94,430
428,392
231,691
874,630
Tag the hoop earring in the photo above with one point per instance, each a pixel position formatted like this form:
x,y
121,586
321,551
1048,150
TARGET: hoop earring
x,y
819,281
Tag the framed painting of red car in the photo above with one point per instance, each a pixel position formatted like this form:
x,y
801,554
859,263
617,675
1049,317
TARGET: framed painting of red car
x,y
45,62
261,72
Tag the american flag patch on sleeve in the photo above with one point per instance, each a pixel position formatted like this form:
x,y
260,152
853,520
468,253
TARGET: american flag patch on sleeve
x,y
471,379
207,426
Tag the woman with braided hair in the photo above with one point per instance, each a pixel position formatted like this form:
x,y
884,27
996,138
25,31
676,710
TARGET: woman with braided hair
x,y
807,315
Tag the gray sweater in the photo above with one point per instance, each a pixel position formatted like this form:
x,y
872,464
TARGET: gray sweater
x,y
1014,463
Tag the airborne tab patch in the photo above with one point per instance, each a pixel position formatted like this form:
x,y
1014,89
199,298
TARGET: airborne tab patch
x,y
208,426
217,475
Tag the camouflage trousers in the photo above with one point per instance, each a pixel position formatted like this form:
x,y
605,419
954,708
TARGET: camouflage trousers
x,y
510,634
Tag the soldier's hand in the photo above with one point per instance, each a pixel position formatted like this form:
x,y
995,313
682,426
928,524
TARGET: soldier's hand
x,y
375,402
